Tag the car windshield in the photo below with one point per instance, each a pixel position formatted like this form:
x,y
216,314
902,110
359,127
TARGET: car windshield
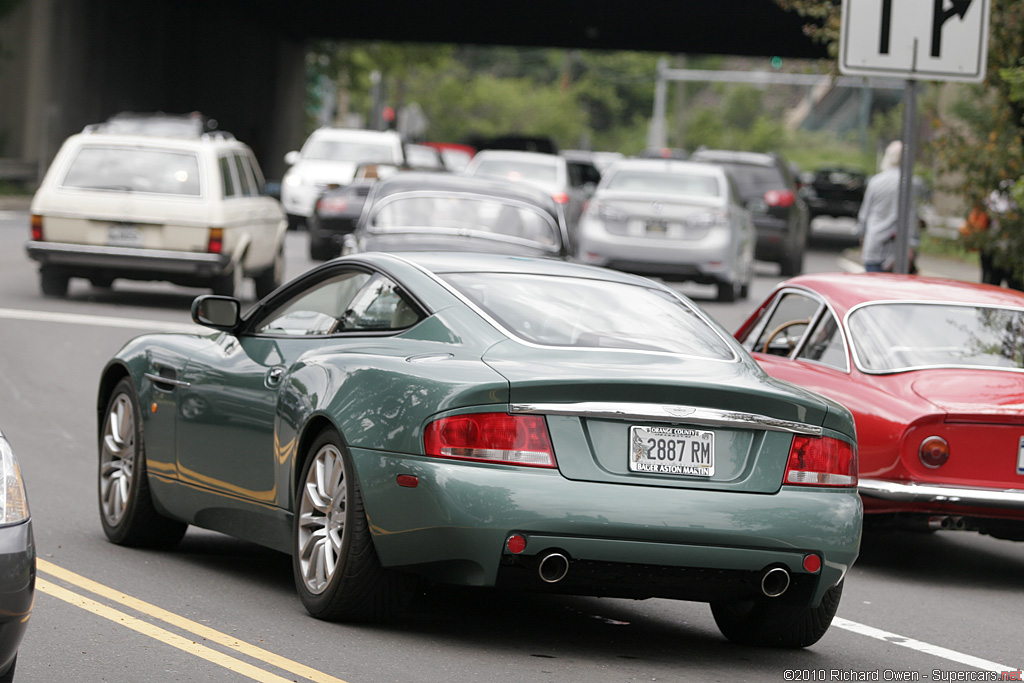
x,y
753,181
131,169
345,150
580,312
465,213
663,183
899,336
518,169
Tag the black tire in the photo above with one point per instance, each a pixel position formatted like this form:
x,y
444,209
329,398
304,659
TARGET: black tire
x,y
102,282
229,283
726,292
126,506
321,250
270,279
774,624
357,589
8,676
53,283
792,264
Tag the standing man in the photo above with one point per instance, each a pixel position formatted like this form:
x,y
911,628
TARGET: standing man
x,y
879,212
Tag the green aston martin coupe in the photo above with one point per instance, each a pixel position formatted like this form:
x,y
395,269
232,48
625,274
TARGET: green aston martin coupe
x,y
487,421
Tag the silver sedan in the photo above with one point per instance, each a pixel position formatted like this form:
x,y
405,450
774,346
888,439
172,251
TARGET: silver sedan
x,y
678,220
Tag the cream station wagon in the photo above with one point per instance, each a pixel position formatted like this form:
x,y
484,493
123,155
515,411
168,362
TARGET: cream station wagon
x,y
156,197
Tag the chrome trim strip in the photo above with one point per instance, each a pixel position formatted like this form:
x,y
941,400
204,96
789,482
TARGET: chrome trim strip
x,y
157,379
936,493
676,414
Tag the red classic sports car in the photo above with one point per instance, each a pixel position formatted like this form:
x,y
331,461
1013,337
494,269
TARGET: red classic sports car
x,y
933,371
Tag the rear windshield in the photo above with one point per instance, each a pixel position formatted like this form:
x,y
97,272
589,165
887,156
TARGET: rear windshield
x,y
753,181
570,311
663,183
901,336
129,169
465,214
517,169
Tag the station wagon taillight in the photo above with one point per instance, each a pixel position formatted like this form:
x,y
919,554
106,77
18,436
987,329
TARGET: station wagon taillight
x,y
216,244
821,461
560,198
37,227
779,199
491,437
332,205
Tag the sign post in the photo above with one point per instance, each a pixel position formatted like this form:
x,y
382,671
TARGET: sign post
x,y
934,40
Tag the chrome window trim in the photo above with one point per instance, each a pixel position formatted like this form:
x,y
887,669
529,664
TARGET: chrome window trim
x,y
728,341
926,302
676,414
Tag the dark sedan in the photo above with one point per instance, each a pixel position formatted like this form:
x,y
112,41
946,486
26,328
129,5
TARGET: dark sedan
x,y
433,211
17,561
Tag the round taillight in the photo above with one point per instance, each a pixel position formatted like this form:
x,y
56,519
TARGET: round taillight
x,y
812,563
515,544
934,452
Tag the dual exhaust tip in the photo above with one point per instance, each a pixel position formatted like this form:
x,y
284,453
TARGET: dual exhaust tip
x,y
554,566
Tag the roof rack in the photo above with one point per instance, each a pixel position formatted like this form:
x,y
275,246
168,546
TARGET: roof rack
x,y
193,125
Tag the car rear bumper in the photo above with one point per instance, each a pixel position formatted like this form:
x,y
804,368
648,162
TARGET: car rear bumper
x,y
707,260
83,259
454,524
909,492
18,567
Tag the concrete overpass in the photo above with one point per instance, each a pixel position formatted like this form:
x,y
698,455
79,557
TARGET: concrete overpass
x,y
66,63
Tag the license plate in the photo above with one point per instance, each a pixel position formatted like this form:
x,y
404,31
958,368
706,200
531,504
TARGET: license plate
x,y
672,450
1020,456
657,227
124,236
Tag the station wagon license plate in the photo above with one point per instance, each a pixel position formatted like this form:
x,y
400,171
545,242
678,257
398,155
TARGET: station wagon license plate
x,y
124,235
672,450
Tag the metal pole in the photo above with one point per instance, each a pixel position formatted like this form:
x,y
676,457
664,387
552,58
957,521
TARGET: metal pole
x,y
657,133
906,212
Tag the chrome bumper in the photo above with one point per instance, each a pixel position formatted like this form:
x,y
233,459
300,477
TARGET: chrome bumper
x,y
935,493
127,258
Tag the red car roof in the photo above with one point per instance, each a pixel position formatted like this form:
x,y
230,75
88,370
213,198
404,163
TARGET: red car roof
x,y
846,290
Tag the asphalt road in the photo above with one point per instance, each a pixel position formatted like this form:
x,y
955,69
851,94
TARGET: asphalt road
x,y
916,607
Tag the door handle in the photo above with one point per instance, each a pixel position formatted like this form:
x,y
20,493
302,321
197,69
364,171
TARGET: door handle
x,y
273,376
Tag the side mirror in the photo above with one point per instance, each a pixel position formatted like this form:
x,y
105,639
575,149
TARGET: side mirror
x,y
218,312
291,158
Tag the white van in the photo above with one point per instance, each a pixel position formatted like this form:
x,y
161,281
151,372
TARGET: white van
x,y
164,202
328,160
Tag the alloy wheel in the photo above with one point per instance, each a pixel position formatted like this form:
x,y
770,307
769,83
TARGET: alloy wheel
x,y
321,526
117,459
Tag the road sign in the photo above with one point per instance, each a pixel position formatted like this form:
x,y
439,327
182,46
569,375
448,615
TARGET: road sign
x,y
928,40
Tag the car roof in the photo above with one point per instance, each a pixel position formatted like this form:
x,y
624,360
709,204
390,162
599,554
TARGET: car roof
x,y
516,154
735,156
100,138
847,290
413,181
354,134
668,165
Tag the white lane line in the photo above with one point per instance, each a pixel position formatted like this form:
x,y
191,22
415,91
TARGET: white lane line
x,y
926,648
97,320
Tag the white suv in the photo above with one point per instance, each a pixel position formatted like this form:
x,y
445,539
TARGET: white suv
x,y
328,160
156,198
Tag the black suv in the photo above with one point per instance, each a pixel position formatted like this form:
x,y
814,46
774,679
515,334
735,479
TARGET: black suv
x,y
769,190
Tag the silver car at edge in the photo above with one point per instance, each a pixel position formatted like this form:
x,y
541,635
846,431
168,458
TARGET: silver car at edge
x,y
677,220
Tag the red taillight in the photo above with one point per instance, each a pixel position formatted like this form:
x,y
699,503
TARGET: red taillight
x,y
934,452
491,437
821,461
560,198
780,199
216,244
332,205
812,563
37,227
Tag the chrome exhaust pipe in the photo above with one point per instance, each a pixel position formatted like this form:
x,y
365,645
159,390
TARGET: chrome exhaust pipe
x,y
940,523
775,582
553,567
959,523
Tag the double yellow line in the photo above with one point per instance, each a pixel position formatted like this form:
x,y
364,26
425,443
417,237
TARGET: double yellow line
x,y
192,647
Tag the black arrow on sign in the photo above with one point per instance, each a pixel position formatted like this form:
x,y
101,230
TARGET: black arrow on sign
x,y
940,17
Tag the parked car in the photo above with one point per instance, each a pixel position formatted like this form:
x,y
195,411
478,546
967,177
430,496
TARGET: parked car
x,y
673,219
570,183
770,192
170,202
438,211
932,371
503,421
328,160
423,157
17,561
833,191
